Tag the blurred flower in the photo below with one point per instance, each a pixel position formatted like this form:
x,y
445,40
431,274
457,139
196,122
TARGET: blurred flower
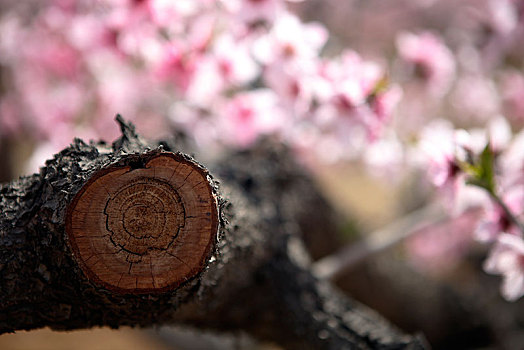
x,y
432,60
293,84
248,115
240,68
511,162
384,104
498,134
507,259
165,11
475,97
513,96
438,143
496,221
502,15
254,11
347,94
233,60
290,40
385,157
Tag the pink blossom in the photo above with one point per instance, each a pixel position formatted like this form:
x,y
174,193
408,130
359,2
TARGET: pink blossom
x,y
442,150
347,94
249,115
197,122
513,96
140,41
351,76
385,157
182,57
367,73
54,56
88,33
499,134
496,221
507,259
241,79
438,144
121,90
233,60
475,97
384,103
200,32
496,134
511,162
510,181
290,40
206,84
431,59
502,15
164,12
228,66
253,11
293,84
177,65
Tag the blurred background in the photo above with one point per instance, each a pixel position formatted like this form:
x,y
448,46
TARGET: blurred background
x,y
373,97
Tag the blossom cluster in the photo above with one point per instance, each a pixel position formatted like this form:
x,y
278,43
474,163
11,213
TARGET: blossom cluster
x,y
484,168
464,94
460,67
225,72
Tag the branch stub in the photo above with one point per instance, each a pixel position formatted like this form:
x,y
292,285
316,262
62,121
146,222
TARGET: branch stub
x,y
146,229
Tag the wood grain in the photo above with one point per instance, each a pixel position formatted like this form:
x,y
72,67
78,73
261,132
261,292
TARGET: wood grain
x,y
144,229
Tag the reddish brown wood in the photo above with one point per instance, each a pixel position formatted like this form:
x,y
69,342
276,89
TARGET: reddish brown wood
x,y
144,230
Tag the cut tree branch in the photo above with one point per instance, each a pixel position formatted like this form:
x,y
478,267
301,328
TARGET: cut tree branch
x,y
138,234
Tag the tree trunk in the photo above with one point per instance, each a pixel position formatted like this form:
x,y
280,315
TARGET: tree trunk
x,y
135,234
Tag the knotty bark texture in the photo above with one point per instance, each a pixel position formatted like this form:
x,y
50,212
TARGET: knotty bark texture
x,y
256,278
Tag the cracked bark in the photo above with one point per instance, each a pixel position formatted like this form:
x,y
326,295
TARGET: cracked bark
x,y
256,277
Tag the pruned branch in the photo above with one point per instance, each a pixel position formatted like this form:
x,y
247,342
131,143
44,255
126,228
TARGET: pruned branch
x,y
140,235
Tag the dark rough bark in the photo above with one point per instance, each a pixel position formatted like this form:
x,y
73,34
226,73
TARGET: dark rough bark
x,y
258,278
414,301
461,311
5,159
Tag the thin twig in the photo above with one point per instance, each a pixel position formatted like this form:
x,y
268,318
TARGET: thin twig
x,y
337,263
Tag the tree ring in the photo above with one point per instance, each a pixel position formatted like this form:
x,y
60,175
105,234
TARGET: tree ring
x,y
144,229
